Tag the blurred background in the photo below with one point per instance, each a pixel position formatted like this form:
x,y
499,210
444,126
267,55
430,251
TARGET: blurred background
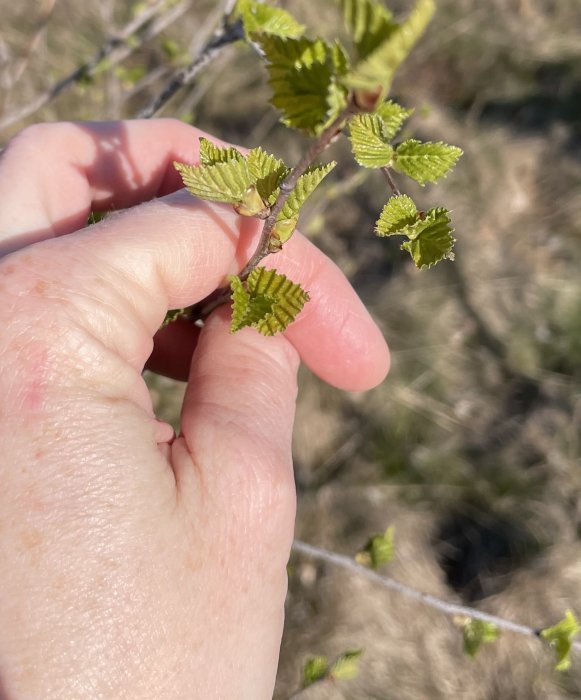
x,y
471,448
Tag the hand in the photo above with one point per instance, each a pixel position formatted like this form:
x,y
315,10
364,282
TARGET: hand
x,y
136,565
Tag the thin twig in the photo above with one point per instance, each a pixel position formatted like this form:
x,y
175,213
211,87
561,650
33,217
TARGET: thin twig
x,y
390,181
116,49
450,609
288,185
227,33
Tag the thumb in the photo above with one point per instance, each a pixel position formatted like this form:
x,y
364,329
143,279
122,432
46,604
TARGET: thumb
x,y
233,469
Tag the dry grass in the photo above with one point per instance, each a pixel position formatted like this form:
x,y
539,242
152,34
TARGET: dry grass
x,y
471,448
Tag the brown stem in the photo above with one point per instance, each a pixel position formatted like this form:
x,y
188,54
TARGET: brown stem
x,y
221,296
390,181
228,33
290,182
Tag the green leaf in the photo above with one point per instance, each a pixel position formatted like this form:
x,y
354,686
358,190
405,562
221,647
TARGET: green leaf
x,y
306,185
370,147
315,669
172,49
304,80
283,229
378,550
431,239
249,182
346,666
267,301
210,154
268,172
172,316
393,117
260,18
425,162
374,74
560,637
398,215
370,134
95,217
369,23
476,633
222,182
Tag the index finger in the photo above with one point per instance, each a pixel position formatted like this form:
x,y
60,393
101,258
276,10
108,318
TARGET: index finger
x,y
53,175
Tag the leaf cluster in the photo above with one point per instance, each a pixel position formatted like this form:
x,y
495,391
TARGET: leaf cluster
x,y
324,88
345,667
560,637
476,633
379,550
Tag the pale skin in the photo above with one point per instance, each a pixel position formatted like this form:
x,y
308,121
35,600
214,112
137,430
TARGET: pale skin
x,y
136,564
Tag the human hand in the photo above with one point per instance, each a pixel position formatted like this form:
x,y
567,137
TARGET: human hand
x,y
136,565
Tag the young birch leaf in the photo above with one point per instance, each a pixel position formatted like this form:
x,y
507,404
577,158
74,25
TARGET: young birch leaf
x,y
306,185
267,301
374,74
172,316
303,78
368,22
476,633
288,218
370,147
210,154
393,117
398,215
268,172
346,666
315,669
560,637
425,162
378,550
222,182
431,239
258,17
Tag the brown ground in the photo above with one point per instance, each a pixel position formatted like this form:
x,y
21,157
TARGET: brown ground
x,y
472,447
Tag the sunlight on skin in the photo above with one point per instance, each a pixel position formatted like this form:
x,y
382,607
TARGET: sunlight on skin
x,y
167,556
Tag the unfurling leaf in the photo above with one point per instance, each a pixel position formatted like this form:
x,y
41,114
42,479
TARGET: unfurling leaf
x,y
378,550
560,637
304,77
371,77
315,669
370,146
393,117
266,301
210,154
398,216
222,182
476,633
258,17
425,162
249,182
346,666
431,239
268,172
306,185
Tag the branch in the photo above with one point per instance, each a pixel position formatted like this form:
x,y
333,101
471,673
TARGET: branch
x,y
115,50
290,182
390,181
227,33
450,609
203,309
